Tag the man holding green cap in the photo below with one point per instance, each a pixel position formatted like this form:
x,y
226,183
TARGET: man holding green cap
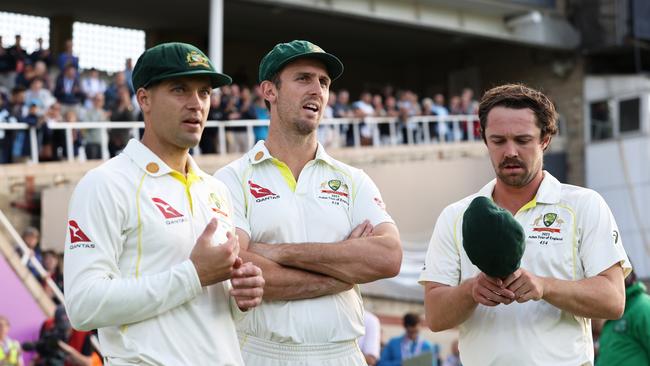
x,y
316,226
151,254
573,261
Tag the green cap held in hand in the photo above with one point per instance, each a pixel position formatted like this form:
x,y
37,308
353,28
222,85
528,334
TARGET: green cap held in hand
x,y
493,240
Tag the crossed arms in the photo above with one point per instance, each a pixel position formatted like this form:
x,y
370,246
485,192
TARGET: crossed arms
x,y
307,270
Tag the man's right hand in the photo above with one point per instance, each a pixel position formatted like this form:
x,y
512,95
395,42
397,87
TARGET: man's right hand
x,y
215,263
490,291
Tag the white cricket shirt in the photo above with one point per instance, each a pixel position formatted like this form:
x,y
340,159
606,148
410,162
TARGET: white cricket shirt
x,y
570,234
133,222
327,201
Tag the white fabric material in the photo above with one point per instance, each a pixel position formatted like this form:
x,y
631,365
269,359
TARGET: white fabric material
x,y
370,342
580,242
330,199
261,352
128,271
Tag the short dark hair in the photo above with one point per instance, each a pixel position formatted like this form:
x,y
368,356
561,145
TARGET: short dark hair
x,y
519,96
411,320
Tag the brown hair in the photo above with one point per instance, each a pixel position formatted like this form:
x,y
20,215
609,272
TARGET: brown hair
x,y
519,96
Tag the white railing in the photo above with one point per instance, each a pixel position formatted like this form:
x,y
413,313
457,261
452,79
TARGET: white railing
x,y
415,130
28,258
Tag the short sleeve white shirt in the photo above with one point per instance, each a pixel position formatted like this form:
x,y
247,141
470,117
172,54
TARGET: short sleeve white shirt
x,y
571,234
327,201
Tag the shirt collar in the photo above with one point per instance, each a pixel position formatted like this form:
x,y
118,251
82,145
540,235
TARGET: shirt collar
x,y
260,153
548,192
148,161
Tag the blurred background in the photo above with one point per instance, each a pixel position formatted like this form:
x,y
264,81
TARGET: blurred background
x,y
404,110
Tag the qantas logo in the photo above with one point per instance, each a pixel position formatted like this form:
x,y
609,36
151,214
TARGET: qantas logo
x,y
168,211
76,234
258,191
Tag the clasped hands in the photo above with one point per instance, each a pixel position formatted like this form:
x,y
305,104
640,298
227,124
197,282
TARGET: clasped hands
x,y
217,263
520,286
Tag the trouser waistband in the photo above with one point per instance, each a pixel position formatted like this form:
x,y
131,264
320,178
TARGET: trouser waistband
x,y
297,352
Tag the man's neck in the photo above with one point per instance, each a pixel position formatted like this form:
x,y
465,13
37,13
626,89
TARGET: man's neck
x,y
514,198
295,151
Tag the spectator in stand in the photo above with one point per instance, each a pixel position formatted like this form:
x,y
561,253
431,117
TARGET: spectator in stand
x,y
38,94
209,139
41,54
67,57
128,73
13,111
40,72
7,68
31,236
454,357
343,109
378,106
18,54
21,149
11,354
469,106
112,92
52,115
261,112
370,342
59,138
407,107
408,345
92,85
236,138
52,262
93,136
362,108
25,77
455,109
444,129
123,111
391,106
68,88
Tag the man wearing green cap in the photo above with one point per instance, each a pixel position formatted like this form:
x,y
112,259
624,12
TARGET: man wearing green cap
x,y
151,255
316,226
573,262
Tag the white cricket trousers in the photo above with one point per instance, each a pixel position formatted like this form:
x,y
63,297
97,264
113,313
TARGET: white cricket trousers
x,y
261,352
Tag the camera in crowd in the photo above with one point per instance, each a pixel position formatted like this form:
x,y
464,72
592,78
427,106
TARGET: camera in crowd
x,y
47,346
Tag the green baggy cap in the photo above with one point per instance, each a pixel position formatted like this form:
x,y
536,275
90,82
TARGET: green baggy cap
x,y
171,60
283,53
493,240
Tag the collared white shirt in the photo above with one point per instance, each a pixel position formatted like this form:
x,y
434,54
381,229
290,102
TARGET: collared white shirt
x,y
328,200
571,234
133,223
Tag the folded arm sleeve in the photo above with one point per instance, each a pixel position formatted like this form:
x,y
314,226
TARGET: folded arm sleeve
x,y
96,293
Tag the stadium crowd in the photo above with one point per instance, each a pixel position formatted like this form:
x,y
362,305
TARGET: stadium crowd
x,y
41,88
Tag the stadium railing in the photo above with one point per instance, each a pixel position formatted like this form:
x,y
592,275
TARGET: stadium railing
x,y
414,130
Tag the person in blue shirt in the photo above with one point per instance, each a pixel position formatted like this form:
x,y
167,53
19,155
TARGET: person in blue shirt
x,y
408,345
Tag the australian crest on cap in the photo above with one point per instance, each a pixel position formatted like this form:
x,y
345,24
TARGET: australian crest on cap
x,y
196,59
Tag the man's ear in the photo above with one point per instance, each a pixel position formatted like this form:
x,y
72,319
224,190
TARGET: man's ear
x,y
143,97
545,142
269,91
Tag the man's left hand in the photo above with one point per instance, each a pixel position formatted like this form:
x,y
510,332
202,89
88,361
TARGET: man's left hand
x,y
247,286
525,285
